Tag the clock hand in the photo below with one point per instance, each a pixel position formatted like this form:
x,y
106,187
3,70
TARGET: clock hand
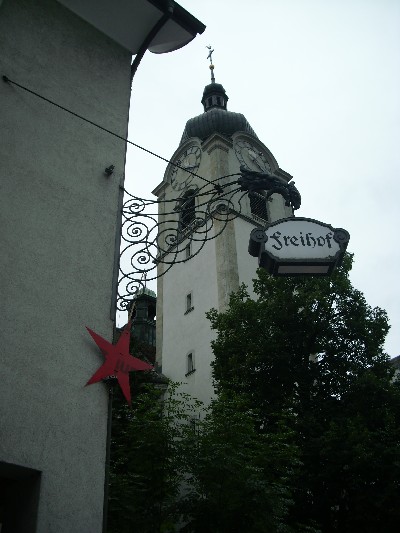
x,y
258,164
254,157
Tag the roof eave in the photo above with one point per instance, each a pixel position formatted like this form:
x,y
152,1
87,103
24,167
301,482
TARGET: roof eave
x,y
128,23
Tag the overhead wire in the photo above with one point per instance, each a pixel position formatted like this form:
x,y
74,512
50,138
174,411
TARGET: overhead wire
x,y
216,186
198,194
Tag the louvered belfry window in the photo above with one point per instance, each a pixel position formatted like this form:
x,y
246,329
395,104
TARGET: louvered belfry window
x,y
258,205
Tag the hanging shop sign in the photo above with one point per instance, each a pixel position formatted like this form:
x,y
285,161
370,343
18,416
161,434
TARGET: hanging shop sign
x,y
298,246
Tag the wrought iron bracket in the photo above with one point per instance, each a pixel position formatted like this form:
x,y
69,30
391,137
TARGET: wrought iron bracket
x,y
158,232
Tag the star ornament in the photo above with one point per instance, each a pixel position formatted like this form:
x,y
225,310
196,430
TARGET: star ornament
x,y
119,362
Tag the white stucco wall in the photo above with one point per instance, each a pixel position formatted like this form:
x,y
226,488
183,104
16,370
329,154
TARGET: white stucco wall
x,y
58,221
189,332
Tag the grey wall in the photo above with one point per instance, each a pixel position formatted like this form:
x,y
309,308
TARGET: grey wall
x,y
58,215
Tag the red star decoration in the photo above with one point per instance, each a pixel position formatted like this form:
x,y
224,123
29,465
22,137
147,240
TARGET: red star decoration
x,y
119,361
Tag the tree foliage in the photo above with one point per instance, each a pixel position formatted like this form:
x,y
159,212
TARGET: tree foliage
x,y
304,434
314,348
173,469
148,457
239,479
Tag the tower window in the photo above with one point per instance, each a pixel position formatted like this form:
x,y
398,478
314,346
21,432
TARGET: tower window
x,y
189,303
258,205
209,101
188,251
190,363
218,100
188,210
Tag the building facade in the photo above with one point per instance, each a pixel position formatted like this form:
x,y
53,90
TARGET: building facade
x,y
209,245
59,220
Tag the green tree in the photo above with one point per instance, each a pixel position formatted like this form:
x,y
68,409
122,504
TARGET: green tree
x,y
147,467
238,479
313,347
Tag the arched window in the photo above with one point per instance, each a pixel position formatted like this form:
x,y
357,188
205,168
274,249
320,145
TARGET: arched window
x,y
188,209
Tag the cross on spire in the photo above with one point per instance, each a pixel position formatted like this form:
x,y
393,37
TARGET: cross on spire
x,y
211,50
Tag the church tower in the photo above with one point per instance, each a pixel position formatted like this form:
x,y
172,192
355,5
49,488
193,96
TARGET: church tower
x,y
204,225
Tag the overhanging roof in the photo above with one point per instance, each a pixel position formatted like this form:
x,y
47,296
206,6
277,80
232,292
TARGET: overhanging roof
x,y
128,22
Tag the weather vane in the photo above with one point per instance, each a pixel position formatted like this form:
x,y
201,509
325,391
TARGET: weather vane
x,y
211,50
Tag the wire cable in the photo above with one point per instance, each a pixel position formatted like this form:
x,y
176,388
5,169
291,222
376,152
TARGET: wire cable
x,y
216,186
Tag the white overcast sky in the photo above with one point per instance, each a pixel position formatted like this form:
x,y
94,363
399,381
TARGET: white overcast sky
x,y
319,82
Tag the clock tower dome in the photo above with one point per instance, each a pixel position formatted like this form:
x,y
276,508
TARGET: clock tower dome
x,y
203,255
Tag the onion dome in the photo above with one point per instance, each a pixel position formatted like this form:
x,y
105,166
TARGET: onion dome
x,y
216,118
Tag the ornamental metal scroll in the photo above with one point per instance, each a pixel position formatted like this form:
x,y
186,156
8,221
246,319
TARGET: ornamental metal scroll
x,y
157,232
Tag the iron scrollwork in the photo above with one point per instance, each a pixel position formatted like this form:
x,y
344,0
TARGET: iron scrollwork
x,y
156,232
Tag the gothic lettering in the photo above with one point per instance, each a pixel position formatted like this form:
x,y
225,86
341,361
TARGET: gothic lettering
x,y
307,240
328,239
276,236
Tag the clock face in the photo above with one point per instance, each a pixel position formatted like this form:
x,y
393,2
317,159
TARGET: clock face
x,y
189,162
250,157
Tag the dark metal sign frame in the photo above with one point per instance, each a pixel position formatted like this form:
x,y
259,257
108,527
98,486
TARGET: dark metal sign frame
x,y
296,266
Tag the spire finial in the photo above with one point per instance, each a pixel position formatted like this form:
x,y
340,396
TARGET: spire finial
x,y
211,50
